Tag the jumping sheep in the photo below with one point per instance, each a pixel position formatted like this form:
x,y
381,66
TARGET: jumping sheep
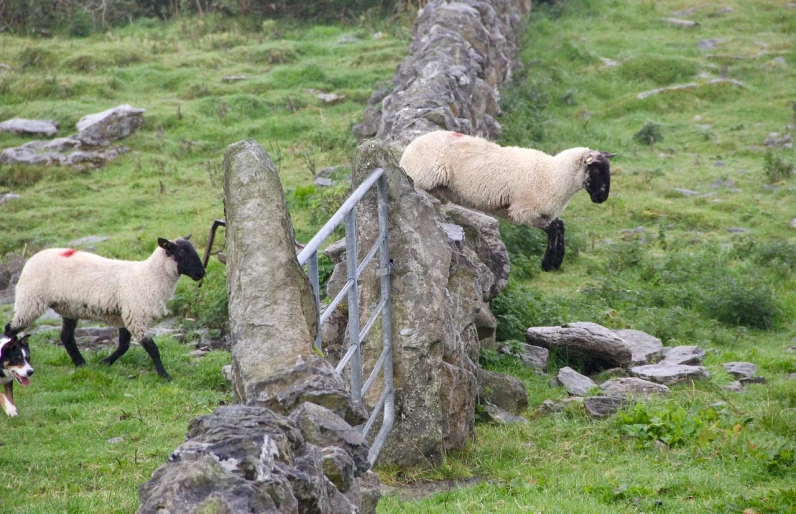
x,y
130,295
519,184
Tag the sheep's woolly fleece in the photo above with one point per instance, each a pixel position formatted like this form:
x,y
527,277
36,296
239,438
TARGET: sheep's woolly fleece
x,y
82,285
523,185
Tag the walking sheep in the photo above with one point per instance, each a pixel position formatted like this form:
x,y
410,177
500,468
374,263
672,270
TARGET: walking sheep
x,y
520,184
130,295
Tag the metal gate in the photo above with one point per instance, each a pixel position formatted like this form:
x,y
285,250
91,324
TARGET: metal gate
x,y
353,356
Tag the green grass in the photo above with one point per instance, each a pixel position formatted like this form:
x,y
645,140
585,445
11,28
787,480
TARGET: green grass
x,y
685,278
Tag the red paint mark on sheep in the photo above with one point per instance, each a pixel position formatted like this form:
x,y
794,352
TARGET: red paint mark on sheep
x,y
456,134
68,253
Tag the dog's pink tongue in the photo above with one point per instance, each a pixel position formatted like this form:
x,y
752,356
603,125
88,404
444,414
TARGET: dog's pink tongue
x,y
25,381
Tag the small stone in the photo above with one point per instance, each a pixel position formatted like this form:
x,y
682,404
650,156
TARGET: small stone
x,y
330,98
737,230
708,44
599,407
632,386
669,374
347,39
576,384
609,63
686,192
503,417
115,440
13,196
689,355
235,78
741,369
793,223
323,182
198,353
548,407
735,387
23,127
226,371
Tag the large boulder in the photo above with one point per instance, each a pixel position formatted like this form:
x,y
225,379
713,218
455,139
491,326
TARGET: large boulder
x,y
272,314
106,126
595,346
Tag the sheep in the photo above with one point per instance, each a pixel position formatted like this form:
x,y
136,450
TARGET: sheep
x,y
519,184
130,295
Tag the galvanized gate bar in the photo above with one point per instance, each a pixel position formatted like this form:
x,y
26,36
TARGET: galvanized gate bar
x,y
309,256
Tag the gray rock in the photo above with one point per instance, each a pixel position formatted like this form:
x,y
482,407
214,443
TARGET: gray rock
x,y
741,369
502,390
737,230
645,349
534,356
599,407
272,314
793,223
347,39
686,192
65,151
370,492
708,44
576,384
311,379
781,141
325,429
735,387
596,346
690,355
632,386
226,371
548,407
323,182
248,459
106,126
23,127
454,233
669,373
495,414
5,198
482,235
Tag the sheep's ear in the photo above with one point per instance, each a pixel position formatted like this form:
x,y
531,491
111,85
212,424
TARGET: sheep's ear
x,y
164,243
608,155
188,237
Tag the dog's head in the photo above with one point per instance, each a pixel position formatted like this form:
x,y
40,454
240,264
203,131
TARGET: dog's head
x,y
15,358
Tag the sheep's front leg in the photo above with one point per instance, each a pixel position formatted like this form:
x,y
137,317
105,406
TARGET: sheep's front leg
x,y
152,349
124,345
68,326
554,254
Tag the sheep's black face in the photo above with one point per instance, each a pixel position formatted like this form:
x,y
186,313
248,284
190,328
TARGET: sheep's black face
x,y
183,252
598,176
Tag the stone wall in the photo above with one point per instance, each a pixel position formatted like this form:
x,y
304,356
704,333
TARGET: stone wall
x,y
461,53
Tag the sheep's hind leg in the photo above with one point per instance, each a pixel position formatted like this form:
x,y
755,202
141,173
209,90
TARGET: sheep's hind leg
x,y
124,345
68,326
152,349
554,254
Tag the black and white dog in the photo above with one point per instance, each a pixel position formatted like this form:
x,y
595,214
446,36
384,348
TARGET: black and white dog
x,y
14,365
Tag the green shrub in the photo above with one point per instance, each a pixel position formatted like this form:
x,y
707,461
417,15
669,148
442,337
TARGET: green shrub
x,y
741,301
81,24
649,134
523,102
36,57
672,424
777,168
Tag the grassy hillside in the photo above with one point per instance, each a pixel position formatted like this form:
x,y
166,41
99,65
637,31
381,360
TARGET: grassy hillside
x,y
650,258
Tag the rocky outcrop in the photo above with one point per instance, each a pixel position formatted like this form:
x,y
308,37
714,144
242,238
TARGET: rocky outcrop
x,y
89,146
461,52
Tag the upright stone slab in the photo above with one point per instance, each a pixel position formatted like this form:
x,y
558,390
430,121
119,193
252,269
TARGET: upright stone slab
x,y
421,257
272,312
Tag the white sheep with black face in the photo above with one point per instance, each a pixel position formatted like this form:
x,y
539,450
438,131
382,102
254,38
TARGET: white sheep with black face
x,y
519,184
79,285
